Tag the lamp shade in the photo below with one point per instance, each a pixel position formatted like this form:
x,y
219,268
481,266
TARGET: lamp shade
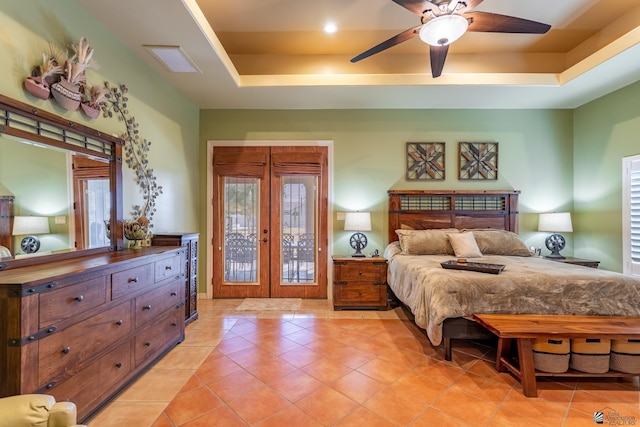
x,y
443,30
557,222
27,225
357,221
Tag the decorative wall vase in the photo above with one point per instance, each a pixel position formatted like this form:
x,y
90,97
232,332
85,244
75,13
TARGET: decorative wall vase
x,y
37,87
90,111
67,95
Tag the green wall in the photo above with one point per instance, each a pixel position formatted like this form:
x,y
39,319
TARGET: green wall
x,y
165,117
369,155
606,130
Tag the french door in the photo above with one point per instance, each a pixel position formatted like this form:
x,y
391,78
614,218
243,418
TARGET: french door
x,y
269,222
92,202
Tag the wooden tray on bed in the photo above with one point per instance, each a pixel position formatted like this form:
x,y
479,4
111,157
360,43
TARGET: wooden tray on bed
x,y
482,267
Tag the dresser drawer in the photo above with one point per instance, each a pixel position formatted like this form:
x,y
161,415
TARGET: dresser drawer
x,y
360,271
154,303
87,387
154,340
169,267
65,350
127,281
360,294
71,300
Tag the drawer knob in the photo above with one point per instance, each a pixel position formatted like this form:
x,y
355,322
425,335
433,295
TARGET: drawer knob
x,y
119,322
168,267
133,280
66,350
174,324
173,294
147,307
360,273
147,344
119,365
80,298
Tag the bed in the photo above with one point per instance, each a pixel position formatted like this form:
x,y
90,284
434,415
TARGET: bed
x,y
442,301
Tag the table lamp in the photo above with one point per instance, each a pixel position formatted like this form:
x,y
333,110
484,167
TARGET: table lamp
x,y
28,226
556,222
357,221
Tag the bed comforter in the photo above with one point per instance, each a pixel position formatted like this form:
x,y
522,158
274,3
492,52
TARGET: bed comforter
x,y
528,285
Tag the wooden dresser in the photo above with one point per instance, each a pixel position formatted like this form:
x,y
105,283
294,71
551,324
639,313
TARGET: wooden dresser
x,y
189,241
81,329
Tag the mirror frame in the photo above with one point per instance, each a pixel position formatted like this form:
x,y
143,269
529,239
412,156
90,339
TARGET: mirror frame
x,y
30,123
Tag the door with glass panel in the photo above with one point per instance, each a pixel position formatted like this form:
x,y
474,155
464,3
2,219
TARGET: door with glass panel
x,y
92,202
270,222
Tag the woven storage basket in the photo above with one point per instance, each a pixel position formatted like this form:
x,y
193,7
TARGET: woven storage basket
x,y
551,355
625,356
590,355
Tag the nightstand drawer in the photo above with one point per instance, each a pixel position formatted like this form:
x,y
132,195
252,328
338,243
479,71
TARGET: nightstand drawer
x,y
360,294
360,271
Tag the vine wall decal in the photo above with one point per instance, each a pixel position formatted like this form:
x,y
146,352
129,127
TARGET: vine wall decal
x,y
135,151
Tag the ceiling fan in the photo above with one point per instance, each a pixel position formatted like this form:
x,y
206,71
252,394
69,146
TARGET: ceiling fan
x,y
442,22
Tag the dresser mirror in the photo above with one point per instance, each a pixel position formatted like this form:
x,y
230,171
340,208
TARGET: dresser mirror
x,y
66,175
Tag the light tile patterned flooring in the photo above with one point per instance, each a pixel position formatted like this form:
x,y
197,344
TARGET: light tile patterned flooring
x,y
317,367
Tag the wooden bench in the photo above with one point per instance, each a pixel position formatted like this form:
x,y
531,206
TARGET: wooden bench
x,y
525,327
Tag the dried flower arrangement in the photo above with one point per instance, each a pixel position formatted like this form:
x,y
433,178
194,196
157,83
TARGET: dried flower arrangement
x,y
68,91
44,75
75,67
95,96
136,229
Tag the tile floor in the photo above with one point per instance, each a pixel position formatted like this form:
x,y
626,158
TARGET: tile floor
x,y
317,367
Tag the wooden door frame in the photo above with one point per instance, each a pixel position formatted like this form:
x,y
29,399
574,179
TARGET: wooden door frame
x,y
209,247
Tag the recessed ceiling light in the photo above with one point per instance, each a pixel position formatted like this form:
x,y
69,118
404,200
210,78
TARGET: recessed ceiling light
x,y
330,27
174,58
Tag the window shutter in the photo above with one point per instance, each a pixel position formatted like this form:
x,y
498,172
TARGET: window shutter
x,y
240,165
296,164
634,211
631,215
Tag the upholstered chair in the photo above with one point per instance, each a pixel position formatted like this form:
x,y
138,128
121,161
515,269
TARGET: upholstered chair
x,y
36,410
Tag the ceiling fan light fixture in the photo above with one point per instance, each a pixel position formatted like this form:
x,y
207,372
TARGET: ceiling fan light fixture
x,y
443,30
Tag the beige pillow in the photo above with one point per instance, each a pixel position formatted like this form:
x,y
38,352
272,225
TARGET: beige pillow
x,y
426,242
464,245
500,242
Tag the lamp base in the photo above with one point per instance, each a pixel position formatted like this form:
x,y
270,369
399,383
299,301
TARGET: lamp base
x,y
358,241
555,243
30,245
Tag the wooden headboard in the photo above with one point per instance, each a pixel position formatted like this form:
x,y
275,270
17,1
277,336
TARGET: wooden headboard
x,y
426,209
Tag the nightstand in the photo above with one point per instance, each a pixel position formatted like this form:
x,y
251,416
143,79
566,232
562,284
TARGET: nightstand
x,y
359,283
577,261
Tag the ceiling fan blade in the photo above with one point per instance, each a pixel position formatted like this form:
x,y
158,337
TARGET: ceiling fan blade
x,y
397,39
495,23
437,54
418,6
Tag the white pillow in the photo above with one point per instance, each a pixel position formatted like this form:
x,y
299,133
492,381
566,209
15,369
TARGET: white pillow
x,y
4,252
464,245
